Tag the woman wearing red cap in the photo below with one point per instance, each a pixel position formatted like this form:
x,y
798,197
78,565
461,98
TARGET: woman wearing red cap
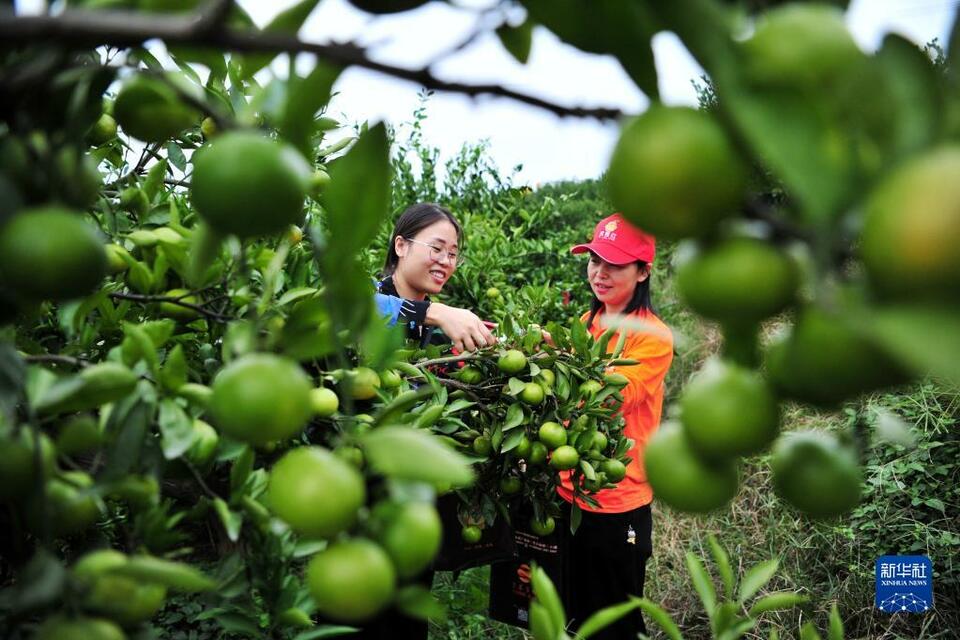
x,y
608,554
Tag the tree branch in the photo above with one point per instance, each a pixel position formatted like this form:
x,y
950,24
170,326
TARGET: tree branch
x,y
52,358
213,315
129,29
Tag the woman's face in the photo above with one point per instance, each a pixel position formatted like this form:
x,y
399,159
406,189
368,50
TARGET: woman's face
x,y
425,263
614,284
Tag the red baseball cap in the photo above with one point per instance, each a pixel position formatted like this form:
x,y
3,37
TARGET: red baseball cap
x,y
618,242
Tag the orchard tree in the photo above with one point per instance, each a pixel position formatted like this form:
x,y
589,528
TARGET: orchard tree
x,y
197,395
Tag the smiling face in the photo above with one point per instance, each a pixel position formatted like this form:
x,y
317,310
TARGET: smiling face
x,y
614,284
421,269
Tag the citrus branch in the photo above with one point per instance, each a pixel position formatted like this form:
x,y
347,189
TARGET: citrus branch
x,y
137,297
128,29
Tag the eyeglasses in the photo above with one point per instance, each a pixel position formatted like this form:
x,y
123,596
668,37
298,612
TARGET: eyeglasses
x,y
437,252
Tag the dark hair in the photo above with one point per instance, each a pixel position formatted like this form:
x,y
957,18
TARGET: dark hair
x,y
639,300
415,219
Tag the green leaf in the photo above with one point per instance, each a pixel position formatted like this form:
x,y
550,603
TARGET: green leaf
x,y
409,454
325,631
605,617
924,338
154,181
40,584
174,372
722,561
417,602
587,469
304,98
702,583
13,373
811,154
515,386
836,624
546,594
174,575
511,441
94,386
514,417
176,157
176,429
242,468
358,197
541,625
576,517
660,617
757,578
287,21
127,427
776,602
517,40
912,95
809,632
231,520
579,337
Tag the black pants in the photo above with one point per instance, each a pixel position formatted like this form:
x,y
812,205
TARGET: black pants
x,y
603,567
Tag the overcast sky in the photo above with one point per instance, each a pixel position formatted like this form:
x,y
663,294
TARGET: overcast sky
x,y
549,148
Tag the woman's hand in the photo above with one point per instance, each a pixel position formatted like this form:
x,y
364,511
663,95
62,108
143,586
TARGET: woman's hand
x,y
462,326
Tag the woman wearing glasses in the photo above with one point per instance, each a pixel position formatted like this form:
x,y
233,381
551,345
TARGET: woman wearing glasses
x,y
424,252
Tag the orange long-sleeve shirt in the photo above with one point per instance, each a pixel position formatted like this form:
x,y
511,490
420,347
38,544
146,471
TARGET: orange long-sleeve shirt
x,y
652,346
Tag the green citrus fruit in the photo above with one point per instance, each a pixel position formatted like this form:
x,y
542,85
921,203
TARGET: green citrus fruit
x,y
149,109
324,402
493,293
538,453
911,229
125,600
18,472
681,479
318,182
79,435
513,361
659,156
824,361
552,435
76,179
134,200
532,393
470,375
728,411
115,258
205,442
411,537
600,441
590,388
179,312
510,485
564,457
96,563
523,448
816,473
352,455
801,46
543,527
351,581
294,234
614,470
742,280
471,534
317,493
208,128
364,383
138,491
249,185
49,253
79,628
71,507
482,446
548,377
103,130
260,398
390,379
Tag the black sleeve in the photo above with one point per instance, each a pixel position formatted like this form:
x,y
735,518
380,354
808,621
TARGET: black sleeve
x,y
413,311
